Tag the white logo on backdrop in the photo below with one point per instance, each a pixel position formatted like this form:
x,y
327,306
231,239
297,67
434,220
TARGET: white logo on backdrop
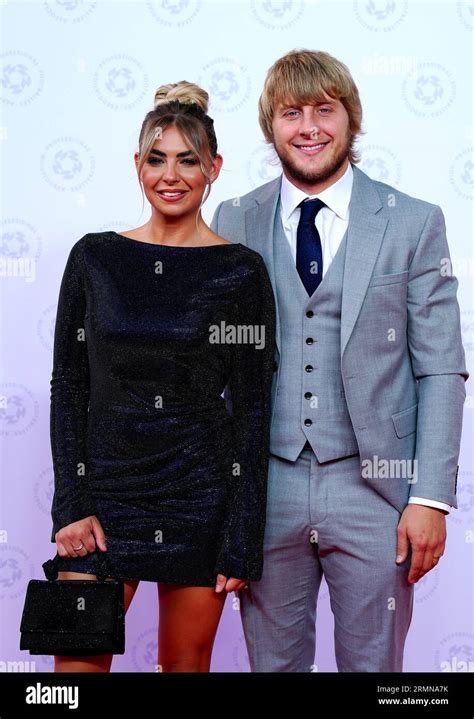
x,y
380,14
70,10
174,12
381,164
429,90
22,78
120,82
227,82
145,651
16,569
466,13
263,165
67,164
43,490
277,15
19,409
461,173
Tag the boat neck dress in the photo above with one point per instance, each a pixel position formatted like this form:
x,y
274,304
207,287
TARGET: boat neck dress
x,y
147,338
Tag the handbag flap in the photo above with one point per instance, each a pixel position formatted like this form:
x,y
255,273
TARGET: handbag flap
x,y
75,606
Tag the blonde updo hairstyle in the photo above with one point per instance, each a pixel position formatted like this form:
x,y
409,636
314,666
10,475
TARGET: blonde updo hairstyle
x,y
182,105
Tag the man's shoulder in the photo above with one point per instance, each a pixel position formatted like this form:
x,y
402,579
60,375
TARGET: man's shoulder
x,y
258,194
393,198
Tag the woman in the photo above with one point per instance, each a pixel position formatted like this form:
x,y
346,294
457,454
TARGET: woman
x,y
152,324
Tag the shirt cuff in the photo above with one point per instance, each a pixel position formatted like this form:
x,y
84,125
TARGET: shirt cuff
x,y
430,503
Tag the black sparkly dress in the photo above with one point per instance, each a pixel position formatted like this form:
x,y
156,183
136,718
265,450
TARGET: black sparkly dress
x,y
147,338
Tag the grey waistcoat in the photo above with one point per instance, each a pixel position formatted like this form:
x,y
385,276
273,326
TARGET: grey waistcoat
x,y
309,402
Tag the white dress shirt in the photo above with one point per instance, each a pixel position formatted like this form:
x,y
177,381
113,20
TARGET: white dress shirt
x,y
331,223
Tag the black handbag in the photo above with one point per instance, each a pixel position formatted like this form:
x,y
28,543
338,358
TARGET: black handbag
x,y
74,617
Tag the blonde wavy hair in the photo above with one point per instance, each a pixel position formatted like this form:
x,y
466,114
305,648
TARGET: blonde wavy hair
x,y
182,105
304,77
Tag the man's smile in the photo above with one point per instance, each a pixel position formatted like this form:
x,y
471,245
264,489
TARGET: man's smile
x,y
311,148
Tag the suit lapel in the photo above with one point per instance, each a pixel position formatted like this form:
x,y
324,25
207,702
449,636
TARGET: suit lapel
x,y
259,233
364,238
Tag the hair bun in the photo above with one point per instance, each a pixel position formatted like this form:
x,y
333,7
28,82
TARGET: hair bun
x,y
187,93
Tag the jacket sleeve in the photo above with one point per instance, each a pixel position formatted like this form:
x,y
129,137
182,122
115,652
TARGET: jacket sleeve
x,y
241,552
70,398
438,362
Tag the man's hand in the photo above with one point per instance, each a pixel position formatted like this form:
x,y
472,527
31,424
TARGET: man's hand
x,y
230,585
425,529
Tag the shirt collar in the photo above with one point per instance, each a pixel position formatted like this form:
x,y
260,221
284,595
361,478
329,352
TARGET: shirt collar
x,y
336,196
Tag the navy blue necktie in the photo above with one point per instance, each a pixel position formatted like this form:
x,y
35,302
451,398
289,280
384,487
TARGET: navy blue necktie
x,y
309,253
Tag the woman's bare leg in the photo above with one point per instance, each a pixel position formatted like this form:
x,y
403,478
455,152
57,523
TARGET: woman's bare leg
x,y
188,621
99,662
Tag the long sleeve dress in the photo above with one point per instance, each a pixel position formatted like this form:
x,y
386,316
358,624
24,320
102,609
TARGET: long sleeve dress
x,y
147,338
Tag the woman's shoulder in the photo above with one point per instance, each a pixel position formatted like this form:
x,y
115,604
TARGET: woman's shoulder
x,y
253,259
90,240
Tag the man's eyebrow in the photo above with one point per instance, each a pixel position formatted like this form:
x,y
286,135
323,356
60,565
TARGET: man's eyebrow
x,y
284,105
179,154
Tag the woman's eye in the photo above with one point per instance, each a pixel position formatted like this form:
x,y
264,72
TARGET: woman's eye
x,y
156,160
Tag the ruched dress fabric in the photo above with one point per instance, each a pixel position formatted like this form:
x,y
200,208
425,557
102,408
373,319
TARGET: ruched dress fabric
x,y
147,337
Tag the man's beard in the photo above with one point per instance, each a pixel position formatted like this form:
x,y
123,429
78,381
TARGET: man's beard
x,y
310,177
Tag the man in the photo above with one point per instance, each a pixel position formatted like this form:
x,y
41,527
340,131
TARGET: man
x,y
368,389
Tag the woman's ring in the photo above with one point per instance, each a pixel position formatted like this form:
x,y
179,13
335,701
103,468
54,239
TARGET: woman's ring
x,y
76,549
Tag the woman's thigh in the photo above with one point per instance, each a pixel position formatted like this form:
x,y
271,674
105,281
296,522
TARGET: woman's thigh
x,y
129,586
189,617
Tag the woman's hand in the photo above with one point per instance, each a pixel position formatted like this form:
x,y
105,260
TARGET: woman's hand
x,y
230,585
85,534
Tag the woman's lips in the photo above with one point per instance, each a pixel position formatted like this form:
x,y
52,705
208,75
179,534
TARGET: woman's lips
x,y
172,197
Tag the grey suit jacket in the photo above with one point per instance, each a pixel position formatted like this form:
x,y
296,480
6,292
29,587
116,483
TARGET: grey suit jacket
x,y
402,359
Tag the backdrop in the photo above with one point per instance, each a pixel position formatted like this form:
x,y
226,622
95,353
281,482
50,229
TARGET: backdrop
x,y
77,79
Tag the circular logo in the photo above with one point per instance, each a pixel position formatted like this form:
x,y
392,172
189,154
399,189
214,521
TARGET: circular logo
x,y
263,165
70,10
466,13
45,327
426,586
461,173
465,495
15,571
120,82
277,15
381,164
429,90
227,83
43,490
22,78
380,15
174,13
19,409
455,653
67,164
145,651
19,240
